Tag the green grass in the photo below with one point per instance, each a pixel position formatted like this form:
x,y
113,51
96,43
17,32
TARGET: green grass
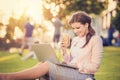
x,y
109,70
12,62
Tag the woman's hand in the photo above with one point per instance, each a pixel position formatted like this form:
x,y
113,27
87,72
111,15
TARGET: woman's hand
x,y
65,42
63,47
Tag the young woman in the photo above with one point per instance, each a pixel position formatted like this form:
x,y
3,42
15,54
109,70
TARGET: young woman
x,y
85,54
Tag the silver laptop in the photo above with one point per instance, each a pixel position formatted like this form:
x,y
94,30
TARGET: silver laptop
x,y
45,52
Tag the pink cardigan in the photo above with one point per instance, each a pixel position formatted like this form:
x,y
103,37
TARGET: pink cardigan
x,y
88,59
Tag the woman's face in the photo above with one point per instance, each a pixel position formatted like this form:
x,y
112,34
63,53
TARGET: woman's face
x,y
80,29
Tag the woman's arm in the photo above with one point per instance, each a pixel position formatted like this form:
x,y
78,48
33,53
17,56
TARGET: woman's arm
x,y
65,42
93,62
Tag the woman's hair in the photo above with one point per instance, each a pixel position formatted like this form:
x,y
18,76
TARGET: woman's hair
x,y
83,18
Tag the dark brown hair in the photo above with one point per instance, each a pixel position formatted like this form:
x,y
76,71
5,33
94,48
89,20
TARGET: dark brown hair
x,y
83,18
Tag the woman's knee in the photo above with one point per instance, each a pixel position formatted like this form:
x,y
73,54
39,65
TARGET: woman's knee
x,y
46,63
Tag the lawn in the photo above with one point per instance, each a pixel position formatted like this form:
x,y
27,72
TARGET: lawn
x,y
109,70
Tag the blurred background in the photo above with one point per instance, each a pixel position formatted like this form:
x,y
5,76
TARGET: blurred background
x,y
13,14
105,16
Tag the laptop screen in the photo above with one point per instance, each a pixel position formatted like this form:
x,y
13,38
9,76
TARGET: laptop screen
x,y
45,52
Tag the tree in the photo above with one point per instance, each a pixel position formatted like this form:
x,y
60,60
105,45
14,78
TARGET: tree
x,y
116,22
116,19
1,24
12,24
10,28
69,6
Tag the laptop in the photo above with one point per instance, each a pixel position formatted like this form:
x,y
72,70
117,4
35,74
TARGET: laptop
x,y
45,52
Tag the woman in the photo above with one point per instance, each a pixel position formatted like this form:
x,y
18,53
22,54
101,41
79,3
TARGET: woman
x,y
86,53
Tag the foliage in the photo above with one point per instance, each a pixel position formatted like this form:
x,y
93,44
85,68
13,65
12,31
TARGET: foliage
x,y
116,22
21,22
116,19
1,24
10,28
10,32
12,24
69,6
47,13
90,6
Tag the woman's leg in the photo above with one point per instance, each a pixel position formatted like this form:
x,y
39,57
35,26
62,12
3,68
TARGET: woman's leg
x,y
31,73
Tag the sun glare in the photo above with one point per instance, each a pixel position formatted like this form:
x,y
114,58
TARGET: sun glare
x,y
28,8
16,8
16,31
